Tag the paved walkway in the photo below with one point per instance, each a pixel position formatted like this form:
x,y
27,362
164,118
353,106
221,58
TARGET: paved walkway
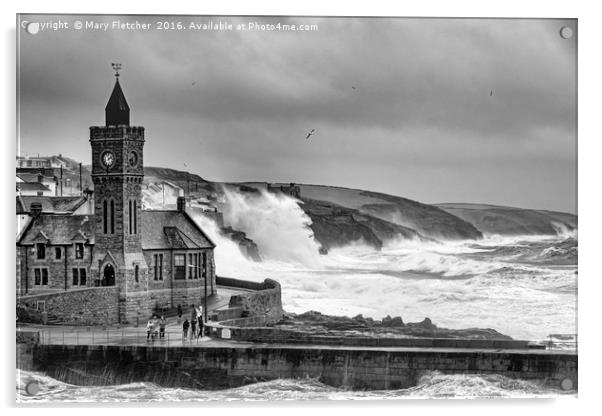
x,y
131,336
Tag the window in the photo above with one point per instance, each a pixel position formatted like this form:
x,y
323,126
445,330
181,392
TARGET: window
x,y
79,250
204,265
58,253
132,217
136,273
41,251
79,277
158,266
112,217
196,265
40,276
105,217
190,266
180,266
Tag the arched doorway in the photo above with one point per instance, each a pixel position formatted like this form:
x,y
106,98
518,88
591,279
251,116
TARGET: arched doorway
x,y
108,276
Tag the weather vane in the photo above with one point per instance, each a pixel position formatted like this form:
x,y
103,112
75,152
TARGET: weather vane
x,y
116,67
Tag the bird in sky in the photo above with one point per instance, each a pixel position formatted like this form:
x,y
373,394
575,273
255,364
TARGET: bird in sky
x,y
353,88
491,93
310,134
193,82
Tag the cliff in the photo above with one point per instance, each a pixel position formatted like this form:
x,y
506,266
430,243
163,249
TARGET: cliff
x,y
493,219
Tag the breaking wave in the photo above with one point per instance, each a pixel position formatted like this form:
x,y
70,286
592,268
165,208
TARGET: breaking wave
x,y
431,385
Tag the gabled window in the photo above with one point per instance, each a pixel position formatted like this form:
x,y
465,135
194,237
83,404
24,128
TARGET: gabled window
x,y
40,251
79,250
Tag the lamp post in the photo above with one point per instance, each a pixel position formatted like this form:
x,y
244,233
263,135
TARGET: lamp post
x,y
205,294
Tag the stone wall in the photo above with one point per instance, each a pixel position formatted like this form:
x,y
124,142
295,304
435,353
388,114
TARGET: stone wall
x,y
264,299
89,306
253,329
355,368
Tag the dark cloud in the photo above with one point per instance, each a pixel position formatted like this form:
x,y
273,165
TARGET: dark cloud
x,y
399,105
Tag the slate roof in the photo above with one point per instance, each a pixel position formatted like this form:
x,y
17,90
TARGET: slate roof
x,y
32,186
171,229
160,230
50,204
59,229
34,177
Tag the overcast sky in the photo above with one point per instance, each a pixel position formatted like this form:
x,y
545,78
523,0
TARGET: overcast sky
x,y
401,106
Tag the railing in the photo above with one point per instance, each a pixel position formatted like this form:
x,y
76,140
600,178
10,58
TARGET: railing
x,y
562,342
130,336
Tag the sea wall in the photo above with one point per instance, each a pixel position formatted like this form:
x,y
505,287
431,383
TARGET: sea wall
x,y
263,299
253,329
355,368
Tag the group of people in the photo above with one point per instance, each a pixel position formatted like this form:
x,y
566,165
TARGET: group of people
x,y
153,324
195,325
193,328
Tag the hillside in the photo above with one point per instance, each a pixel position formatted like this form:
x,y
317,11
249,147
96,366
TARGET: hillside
x,y
493,219
427,220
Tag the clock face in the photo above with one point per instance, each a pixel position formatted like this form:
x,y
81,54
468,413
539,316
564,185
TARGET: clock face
x,y
107,159
133,159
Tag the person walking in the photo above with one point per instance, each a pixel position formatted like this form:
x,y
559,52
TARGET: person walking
x,y
193,329
162,324
199,314
185,327
193,321
150,329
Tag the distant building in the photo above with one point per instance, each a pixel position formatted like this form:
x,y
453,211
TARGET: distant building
x,y
50,182
290,189
120,262
33,188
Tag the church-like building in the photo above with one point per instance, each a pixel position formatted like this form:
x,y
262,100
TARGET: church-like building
x,y
147,258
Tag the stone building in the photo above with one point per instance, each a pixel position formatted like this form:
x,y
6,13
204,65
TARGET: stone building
x,y
149,258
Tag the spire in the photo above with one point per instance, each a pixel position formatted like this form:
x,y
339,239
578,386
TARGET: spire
x,y
117,110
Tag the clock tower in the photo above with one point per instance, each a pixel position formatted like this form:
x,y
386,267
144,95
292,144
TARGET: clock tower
x,y
117,174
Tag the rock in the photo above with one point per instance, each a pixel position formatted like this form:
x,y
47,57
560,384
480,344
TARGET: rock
x,y
426,323
395,322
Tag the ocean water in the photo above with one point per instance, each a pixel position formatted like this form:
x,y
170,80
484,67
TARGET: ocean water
x,y
433,385
522,286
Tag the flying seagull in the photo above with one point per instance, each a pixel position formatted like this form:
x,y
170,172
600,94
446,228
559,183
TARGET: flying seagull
x,y
310,133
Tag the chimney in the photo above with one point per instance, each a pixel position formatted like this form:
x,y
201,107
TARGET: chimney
x,y
35,209
181,203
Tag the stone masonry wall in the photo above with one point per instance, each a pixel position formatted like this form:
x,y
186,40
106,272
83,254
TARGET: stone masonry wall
x,y
89,306
266,301
355,368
